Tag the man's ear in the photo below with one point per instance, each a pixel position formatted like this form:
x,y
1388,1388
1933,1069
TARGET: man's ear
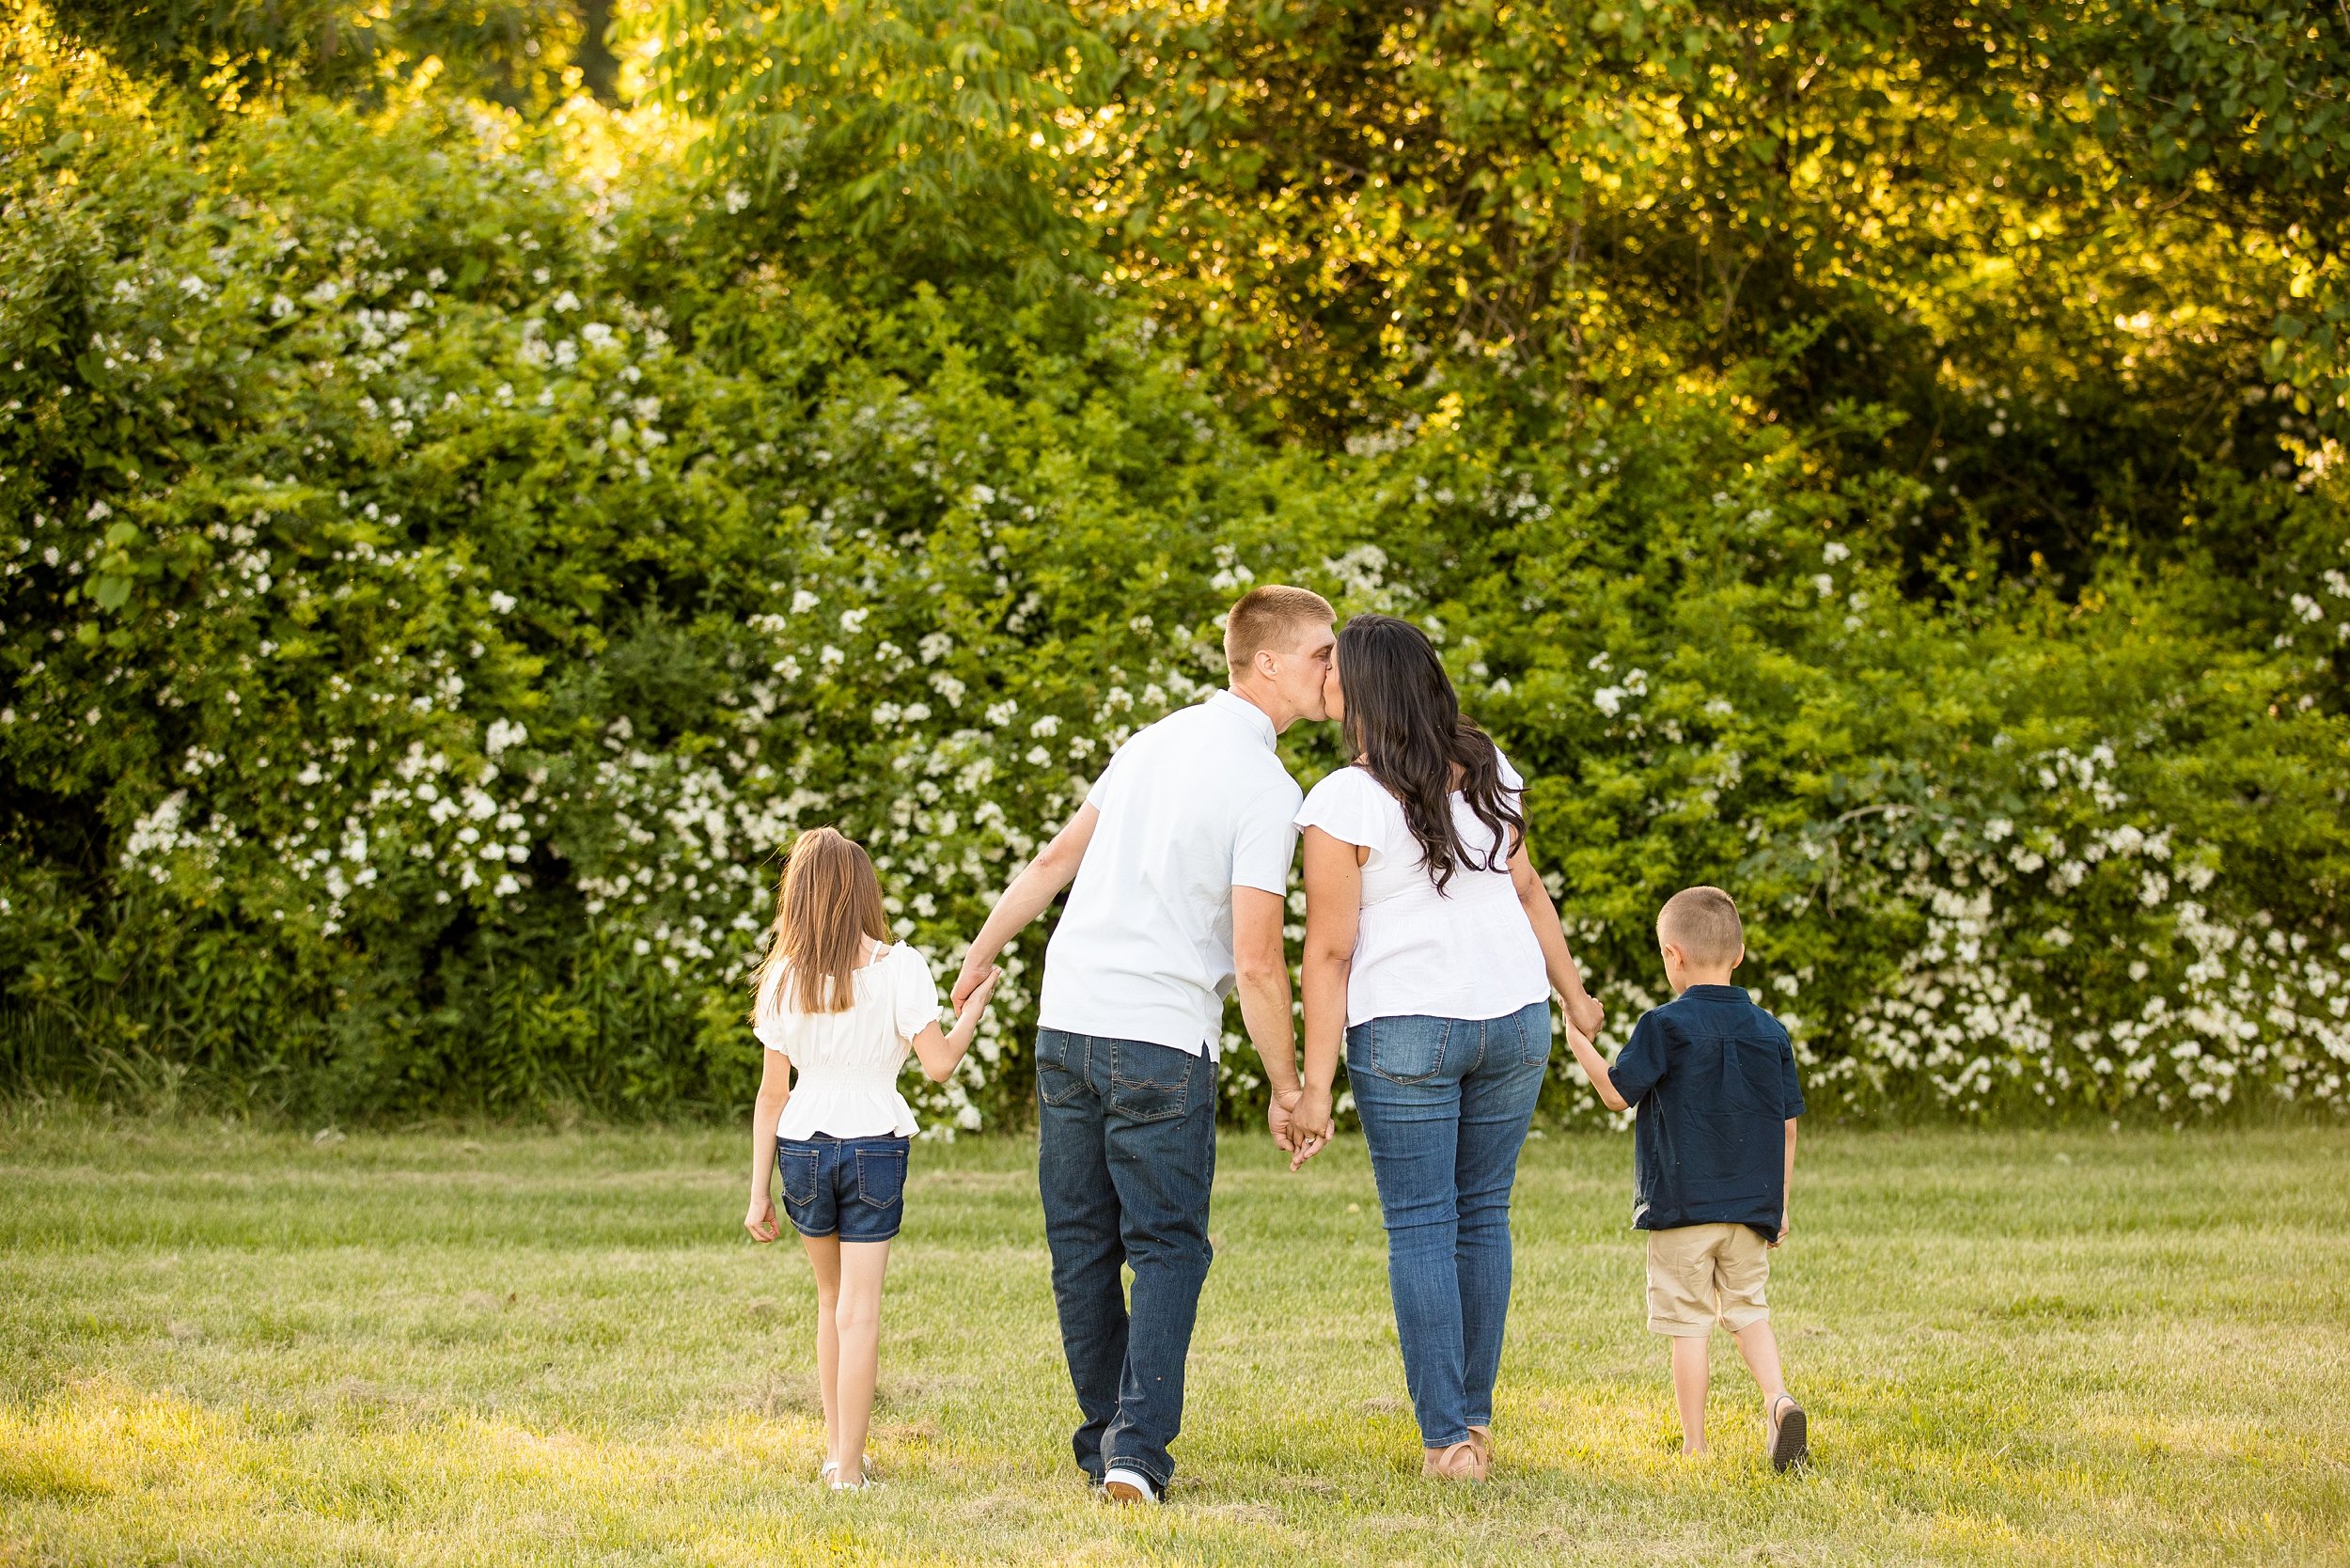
x,y
1266,664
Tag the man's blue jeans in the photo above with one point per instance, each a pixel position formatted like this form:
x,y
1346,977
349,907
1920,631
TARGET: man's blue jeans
x,y
1126,1159
1445,1103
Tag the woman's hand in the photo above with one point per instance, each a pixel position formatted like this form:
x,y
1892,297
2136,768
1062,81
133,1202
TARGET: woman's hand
x,y
760,1222
1312,1125
1584,1015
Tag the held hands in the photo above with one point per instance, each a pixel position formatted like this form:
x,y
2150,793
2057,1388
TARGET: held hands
x,y
1585,1015
1312,1125
760,1222
1278,1119
976,972
973,994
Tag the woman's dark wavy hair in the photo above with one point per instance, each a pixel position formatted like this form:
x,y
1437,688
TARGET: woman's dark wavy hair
x,y
1403,724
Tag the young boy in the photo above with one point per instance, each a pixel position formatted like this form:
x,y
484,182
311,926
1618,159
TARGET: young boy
x,y
1714,1153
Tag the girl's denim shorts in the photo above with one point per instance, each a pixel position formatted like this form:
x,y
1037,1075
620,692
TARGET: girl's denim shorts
x,y
851,1187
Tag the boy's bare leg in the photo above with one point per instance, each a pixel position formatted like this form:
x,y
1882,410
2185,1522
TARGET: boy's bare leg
x,y
1759,1347
858,1321
823,1256
1690,1372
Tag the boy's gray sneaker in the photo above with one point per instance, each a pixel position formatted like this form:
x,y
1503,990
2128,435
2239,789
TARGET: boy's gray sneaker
x,y
1790,1435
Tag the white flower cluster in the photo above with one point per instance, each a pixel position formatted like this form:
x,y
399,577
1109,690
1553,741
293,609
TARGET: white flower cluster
x,y
2201,1010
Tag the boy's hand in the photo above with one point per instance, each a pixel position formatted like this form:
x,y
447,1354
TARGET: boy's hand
x,y
1786,1223
760,1222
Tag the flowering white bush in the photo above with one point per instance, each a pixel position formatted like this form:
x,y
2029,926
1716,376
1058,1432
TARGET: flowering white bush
x,y
433,596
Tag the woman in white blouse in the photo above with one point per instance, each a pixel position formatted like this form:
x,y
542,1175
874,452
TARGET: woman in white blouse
x,y
839,1002
1431,952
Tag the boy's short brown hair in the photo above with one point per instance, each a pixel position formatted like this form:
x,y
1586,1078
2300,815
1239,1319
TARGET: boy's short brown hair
x,y
1704,923
1270,616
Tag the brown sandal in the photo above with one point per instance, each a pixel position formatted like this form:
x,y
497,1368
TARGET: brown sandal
x,y
1456,1462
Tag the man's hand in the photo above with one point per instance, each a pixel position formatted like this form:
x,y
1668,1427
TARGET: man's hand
x,y
1312,1125
1280,1120
1585,1014
760,1222
978,970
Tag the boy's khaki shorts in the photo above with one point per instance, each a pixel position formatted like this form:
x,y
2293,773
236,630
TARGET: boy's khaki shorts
x,y
1701,1274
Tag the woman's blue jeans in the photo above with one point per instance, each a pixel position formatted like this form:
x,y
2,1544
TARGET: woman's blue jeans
x,y
1445,1105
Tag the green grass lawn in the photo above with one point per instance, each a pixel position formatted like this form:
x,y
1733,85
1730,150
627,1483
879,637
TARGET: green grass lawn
x,y
222,1345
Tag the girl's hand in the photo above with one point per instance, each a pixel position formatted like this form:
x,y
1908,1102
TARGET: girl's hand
x,y
760,1222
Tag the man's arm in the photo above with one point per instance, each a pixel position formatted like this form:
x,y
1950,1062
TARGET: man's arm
x,y
1261,973
1054,867
1787,1191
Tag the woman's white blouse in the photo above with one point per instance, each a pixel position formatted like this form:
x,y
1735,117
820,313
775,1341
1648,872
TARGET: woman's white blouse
x,y
1468,952
848,1062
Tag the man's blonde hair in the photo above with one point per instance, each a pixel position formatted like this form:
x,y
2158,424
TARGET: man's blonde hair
x,y
1704,923
1271,616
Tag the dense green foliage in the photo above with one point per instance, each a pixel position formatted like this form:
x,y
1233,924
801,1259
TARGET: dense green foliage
x,y
1876,463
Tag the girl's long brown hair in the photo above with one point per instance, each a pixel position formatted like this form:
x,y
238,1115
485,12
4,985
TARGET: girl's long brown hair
x,y
828,902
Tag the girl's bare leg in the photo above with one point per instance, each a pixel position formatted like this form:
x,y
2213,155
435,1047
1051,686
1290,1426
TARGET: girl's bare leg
x,y
823,1256
856,1315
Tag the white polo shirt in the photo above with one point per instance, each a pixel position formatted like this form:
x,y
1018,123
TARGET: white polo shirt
x,y
1192,807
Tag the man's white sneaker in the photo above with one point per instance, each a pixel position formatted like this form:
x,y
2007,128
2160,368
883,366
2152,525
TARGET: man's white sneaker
x,y
1128,1486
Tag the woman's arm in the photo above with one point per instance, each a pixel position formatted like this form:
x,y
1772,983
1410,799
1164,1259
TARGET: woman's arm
x,y
1334,906
941,1052
775,1092
1583,1010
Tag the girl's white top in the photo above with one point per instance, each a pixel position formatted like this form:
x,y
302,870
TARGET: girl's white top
x,y
1468,952
848,1062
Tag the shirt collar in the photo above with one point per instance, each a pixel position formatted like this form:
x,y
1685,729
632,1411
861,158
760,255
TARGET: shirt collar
x,y
1240,708
1718,994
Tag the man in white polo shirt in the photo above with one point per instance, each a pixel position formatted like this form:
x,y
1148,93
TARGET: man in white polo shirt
x,y
1181,857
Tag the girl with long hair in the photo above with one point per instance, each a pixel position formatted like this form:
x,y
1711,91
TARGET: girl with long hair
x,y
1431,952
839,1003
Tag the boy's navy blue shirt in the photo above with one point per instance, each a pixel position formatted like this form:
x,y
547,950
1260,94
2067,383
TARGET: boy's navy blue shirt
x,y
1714,1080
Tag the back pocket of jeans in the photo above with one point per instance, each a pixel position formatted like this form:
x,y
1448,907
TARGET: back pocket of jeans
x,y
881,1176
1408,1050
1057,1079
799,1167
1150,1083
1534,1035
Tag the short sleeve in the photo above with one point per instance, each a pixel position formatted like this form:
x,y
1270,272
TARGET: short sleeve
x,y
1791,1085
917,993
1342,806
1098,797
767,1015
1643,1060
1266,841
1509,777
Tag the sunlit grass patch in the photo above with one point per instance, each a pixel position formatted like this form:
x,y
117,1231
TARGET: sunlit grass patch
x,y
229,1347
